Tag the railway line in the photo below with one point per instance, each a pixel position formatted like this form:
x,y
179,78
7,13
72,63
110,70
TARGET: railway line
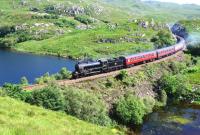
x,y
90,78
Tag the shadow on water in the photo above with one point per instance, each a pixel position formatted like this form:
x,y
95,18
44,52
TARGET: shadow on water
x,y
14,65
172,120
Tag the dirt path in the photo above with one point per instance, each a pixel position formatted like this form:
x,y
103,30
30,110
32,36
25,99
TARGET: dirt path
x,y
72,82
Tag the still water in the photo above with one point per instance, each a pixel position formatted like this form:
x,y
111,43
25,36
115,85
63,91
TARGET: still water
x,y
172,120
14,65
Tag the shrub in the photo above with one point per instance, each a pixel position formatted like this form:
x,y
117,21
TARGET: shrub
x,y
122,75
7,42
162,39
176,86
149,103
14,91
177,67
65,23
65,74
83,19
162,98
130,110
46,78
48,97
4,30
85,106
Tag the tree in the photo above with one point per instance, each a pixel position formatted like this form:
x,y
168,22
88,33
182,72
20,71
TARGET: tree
x,y
175,86
162,39
65,74
85,106
14,91
130,110
48,97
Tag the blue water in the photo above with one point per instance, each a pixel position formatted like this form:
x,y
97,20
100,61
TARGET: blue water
x,y
159,123
14,65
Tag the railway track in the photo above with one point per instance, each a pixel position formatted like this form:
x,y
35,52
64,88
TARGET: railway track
x,y
74,81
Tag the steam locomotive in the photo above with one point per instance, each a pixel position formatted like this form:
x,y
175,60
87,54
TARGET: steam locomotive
x,y
89,68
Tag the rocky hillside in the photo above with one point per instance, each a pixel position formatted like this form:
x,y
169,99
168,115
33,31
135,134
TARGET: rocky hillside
x,y
75,29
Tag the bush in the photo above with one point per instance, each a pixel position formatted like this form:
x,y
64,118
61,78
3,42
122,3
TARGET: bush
x,y
122,75
84,19
162,98
85,106
14,91
65,23
176,86
130,110
4,30
162,39
49,98
177,67
149,103
7,42
65,74
46,78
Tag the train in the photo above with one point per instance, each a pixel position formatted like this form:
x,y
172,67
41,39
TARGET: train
x,y
89,68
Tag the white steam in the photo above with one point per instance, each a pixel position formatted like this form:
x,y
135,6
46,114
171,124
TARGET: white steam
x,y
194,38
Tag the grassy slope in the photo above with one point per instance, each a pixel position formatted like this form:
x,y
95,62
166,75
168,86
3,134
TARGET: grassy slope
x,y
84,43
158,10
17,118
77,44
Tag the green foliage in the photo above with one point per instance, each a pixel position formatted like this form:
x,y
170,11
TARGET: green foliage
x,y
110,83
125,78
149,103
85,106
24,81
130,109
177,67
176,87
193,96
65,23
84,19
48,97
18,118
14,91
46,78
163,39
162,98
64,74
7,42
122,75
4,30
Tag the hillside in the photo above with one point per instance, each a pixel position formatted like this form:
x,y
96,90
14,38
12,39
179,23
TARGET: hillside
x,y
168,12
75,29
17,118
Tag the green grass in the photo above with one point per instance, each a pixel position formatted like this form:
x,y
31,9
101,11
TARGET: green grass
x,y
194,78
80,44
178,120
17,118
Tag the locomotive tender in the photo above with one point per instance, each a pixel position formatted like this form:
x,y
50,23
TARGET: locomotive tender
x,y
83,69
